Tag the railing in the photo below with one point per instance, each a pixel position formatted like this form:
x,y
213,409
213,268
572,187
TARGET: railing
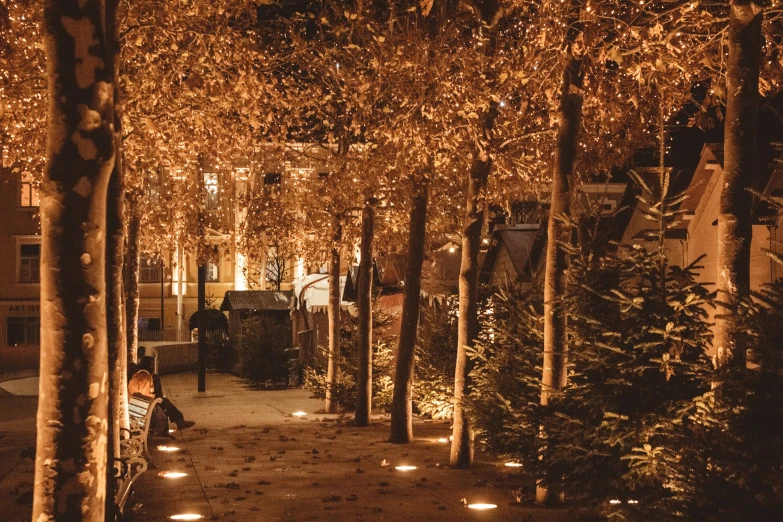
x,y
164,336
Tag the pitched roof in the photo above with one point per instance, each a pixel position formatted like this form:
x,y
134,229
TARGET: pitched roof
x,y
521,244
256,300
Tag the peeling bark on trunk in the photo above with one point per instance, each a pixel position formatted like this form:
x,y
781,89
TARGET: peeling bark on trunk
x,y
401,411
364,304
735,227
131,281
333,313
467,324
72,424
554,373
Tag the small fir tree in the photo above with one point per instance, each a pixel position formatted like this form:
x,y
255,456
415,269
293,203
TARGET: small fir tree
x,y
637,335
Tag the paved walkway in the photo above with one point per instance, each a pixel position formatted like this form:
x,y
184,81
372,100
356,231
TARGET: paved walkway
x,y
249,459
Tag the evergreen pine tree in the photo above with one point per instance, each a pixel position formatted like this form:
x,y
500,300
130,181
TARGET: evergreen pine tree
x,y
638,328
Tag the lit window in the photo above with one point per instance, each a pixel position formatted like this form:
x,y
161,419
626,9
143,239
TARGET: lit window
x,y
213,272
28,193
153,188
211,189
22,331
149,269
30,263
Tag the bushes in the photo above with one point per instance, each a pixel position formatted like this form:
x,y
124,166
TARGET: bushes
x,y
265,351
506,379
436,357
382,361
620,430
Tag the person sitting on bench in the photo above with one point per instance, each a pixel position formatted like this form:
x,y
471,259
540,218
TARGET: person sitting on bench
x,y
147,365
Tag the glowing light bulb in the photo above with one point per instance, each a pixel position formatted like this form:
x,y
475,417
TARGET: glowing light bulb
x,y
299,414
513,465
405,468
186,516
168,448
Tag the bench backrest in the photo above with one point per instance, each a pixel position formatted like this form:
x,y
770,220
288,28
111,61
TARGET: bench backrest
x,y
138,408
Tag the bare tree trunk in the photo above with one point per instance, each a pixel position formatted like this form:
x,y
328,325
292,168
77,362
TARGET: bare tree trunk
x,y
115,318
402,407
333,312
202,325
364,303
70,464
735,227
115,299
180,283
467,324
569,116
131,280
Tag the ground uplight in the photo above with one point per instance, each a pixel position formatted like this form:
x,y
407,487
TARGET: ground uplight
x,y
482,507
299,413
186,516
169,449
173,474
405,468
513,464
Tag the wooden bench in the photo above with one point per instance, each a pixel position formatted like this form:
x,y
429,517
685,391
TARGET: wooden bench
x,y
134,453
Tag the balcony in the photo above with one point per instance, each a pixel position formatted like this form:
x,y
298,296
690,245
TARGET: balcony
x,y
164,336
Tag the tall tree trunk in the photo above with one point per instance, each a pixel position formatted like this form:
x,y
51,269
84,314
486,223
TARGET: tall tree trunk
x,y
364,303
202,325
739,151
569,116
115,298
180,283
333,313
115,317
467,324
402,412
131,279
70,464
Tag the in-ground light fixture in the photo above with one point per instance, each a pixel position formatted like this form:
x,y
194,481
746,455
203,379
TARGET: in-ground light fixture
x,y
173,474
482,506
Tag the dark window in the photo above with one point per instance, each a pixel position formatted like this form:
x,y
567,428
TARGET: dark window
x,y
323,175
22,331
272,178
149,323
30,263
